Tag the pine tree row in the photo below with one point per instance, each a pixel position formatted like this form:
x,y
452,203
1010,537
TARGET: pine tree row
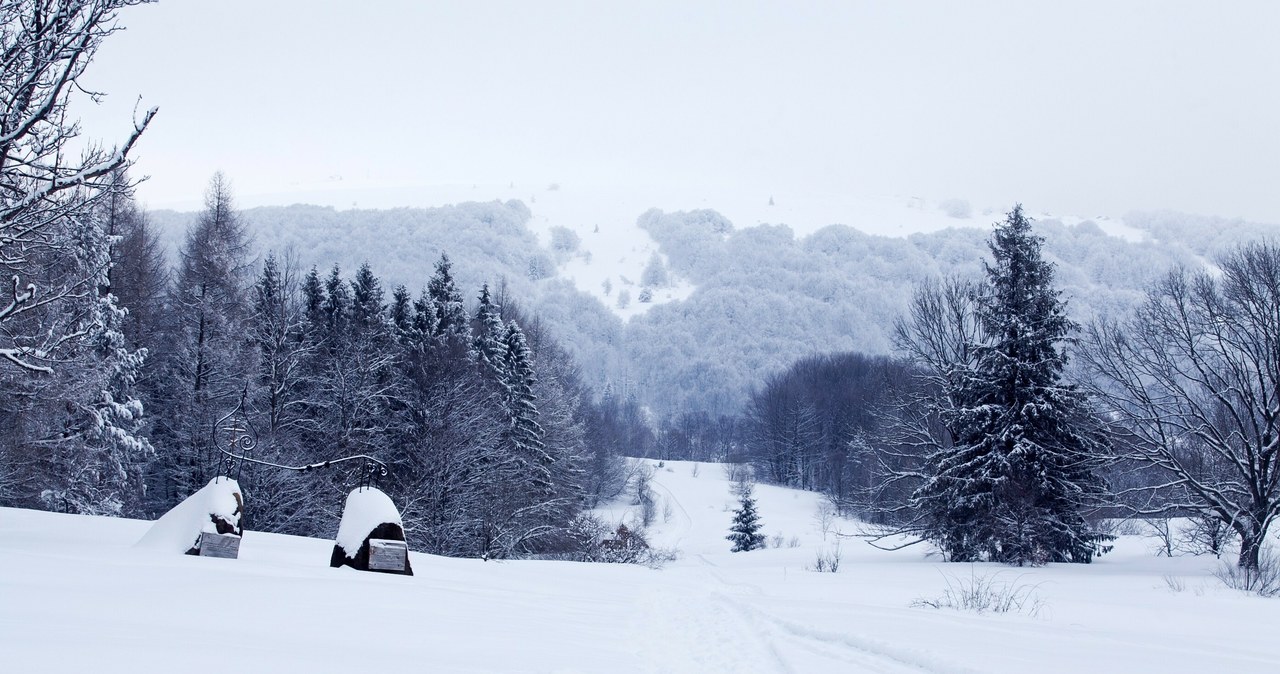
x,y
482,418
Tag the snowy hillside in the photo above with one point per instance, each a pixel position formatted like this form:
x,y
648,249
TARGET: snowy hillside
x,y
76,595
613,251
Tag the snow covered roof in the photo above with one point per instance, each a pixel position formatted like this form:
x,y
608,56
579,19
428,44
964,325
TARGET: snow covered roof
x,y
178,529
366,508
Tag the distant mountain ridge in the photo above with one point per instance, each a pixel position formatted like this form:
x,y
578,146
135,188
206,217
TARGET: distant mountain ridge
x,y
735,304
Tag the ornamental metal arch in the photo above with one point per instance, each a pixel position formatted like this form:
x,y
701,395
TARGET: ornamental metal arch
x,y
235,437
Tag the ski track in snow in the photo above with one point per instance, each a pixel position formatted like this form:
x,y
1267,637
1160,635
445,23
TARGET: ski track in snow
x,y
726,602
686,520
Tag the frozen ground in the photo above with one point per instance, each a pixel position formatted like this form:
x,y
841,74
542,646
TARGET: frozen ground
x,y
77,596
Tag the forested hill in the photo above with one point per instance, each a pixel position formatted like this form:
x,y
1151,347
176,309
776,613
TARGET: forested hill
x,y
729,305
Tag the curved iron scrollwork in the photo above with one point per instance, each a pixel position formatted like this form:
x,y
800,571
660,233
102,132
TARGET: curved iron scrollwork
x,y
235,436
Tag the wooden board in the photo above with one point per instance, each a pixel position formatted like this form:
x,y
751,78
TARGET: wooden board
x,y
219,545
386,555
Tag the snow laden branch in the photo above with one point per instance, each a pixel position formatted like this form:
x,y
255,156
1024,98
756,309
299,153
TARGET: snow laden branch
x,y
17,355
47,201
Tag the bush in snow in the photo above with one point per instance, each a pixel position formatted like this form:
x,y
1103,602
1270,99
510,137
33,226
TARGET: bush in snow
x,y
827,560
1263,579
985,593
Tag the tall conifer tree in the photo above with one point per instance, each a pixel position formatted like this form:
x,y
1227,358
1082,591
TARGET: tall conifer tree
x,y
1020,472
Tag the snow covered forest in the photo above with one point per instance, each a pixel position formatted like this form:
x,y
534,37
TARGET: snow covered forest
x,y
1021,389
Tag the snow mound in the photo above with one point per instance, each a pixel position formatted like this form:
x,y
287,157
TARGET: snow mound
x,y
366,508
180,528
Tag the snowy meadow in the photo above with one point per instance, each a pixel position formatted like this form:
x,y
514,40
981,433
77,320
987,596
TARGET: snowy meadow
x,y
79,595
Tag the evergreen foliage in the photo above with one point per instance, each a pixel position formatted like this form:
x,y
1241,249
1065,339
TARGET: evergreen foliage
x,y
451,316
489,345
1021,468
745,530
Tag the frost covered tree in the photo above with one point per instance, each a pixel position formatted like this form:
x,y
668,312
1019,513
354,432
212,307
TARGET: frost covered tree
x,y
45,194
524,433
745,530
1194,375
278,328
1020,470
655,273
489,344
139,273
451,314
205,350
72,439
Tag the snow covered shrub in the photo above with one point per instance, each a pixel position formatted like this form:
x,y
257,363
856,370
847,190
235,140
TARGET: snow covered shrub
x,y
827,560
1205,535
825,517
645,498
594,541
1263,580
985,593
1160,529
736,472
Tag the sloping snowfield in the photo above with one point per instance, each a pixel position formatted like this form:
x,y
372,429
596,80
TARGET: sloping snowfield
x,y
77,596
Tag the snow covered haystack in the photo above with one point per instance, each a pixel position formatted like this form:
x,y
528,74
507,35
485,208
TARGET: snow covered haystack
x,y
371,535
216,509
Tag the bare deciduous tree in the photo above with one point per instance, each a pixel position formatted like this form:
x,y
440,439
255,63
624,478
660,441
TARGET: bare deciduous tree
x,y
47,46
1194,377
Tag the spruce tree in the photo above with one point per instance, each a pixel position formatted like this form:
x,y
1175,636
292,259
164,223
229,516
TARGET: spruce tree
x,y
745,530
1020,470
337,304
524,433
451,316
400,313
366,302
313,301
488,346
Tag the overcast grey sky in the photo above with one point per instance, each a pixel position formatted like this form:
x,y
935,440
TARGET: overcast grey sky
x,y
1071,107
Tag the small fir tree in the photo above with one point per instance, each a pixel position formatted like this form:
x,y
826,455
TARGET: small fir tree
x,y
745,530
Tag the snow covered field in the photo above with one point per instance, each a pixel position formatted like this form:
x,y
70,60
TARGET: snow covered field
x,y
77,596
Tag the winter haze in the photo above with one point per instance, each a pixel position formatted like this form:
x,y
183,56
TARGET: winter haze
x,y
1096,108
639,337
